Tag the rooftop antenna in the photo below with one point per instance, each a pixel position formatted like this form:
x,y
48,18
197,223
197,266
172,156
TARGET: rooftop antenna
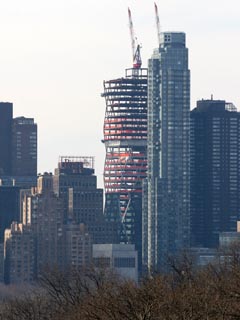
x,y
157,23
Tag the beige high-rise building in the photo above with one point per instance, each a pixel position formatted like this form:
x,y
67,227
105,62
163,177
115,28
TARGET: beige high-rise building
x,y
77,246
19,253
44,211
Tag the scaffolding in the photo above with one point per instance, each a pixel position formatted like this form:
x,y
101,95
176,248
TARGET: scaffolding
x,y
125,139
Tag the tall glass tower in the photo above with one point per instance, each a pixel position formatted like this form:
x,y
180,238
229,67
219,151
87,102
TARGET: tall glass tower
x,y
166,189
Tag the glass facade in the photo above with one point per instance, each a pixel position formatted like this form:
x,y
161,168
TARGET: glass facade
x,y
166,197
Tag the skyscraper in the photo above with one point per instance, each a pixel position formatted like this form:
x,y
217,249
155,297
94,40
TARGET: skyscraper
x,y
18,162
125,139
215,171
6,113
166,189
75,183
24,147
18,145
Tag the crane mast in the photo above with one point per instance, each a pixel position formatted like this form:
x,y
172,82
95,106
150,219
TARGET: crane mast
x,y
157,23
136,48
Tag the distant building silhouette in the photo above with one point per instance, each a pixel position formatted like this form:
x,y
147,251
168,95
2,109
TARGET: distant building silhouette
x,y
18,145
9,207
6,114
18,163
24,147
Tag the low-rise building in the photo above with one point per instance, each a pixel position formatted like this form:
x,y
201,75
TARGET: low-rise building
x,y
122,258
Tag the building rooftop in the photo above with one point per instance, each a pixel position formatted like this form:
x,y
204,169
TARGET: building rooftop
x,y
169,38
214,105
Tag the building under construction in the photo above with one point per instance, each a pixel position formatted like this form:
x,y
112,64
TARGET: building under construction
x,y
125,139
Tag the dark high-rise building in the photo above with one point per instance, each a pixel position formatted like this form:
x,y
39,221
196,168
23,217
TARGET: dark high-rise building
x,y
166,223
18,162
18,145
9,208
125,139
215,171
6,113
76,183
24,147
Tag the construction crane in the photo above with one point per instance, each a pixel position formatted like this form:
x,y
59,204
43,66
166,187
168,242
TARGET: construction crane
x,y
137,61
157,23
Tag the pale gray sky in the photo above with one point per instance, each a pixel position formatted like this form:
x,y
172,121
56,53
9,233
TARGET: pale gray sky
x,y
55,54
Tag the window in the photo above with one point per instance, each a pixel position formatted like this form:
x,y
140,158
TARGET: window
x,y
124,262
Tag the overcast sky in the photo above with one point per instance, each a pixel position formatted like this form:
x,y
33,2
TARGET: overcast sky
x,y
55,54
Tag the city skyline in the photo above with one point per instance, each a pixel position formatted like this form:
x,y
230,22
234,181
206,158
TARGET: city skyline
x,y
56,55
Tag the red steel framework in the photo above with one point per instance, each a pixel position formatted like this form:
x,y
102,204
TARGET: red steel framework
x,y
125,138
